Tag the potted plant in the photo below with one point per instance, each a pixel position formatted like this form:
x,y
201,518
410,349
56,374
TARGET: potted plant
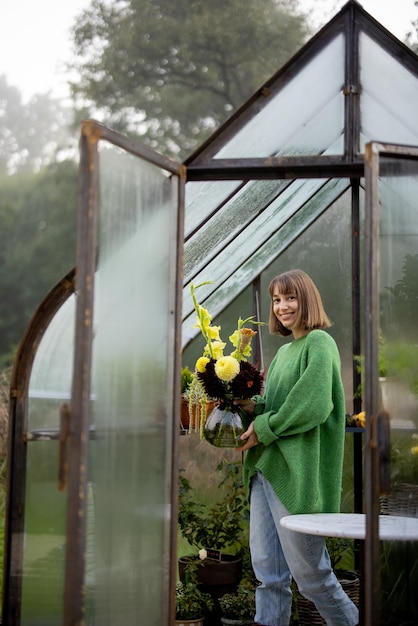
x,y
186,379
238,609
191,603
218,532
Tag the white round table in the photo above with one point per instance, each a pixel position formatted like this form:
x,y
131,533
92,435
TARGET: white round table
x,y
352,525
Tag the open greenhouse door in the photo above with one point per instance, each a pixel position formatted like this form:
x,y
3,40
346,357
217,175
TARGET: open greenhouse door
x,y
391,376
122,437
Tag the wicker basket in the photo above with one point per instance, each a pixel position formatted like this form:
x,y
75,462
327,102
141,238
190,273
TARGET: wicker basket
x,y
402,500
307,613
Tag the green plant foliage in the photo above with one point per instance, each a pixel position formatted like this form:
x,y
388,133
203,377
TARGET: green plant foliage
x,y
217,526
37,243
404,458
402,359
341,552
186,379
398,583
191,603
405,294
240,605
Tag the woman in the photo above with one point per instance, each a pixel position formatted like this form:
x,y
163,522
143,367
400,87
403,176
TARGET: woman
x,y
295,447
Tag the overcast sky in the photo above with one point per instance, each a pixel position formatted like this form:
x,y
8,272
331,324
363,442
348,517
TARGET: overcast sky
x,y
35,40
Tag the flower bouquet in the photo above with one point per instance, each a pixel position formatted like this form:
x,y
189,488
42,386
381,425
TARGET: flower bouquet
x,y
224,377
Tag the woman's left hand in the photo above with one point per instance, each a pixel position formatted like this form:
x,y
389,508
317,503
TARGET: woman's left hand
x,y
249,439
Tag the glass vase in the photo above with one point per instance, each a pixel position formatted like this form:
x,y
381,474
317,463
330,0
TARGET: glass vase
x,y
224,427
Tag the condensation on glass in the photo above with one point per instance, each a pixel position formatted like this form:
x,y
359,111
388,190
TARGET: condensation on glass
x,y
130,457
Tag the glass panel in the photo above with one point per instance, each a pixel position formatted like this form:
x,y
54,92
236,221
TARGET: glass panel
x,y
329,265
250,252
324,252
203,199
45,506
398,364
133,374
45,537
228,221
51,376
307,114
389,93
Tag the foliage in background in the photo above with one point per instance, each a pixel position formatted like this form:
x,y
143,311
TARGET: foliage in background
x,y
33,134
37,244
404,458
220,525
399,582
412,36
404,301
186,379
171,75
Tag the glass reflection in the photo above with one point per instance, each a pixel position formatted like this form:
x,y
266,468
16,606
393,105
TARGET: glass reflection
x,y
398,371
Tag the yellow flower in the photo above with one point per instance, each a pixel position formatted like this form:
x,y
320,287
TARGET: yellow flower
x,y
414,450
360,419
217,349
226,368
203,319
201,364
213,332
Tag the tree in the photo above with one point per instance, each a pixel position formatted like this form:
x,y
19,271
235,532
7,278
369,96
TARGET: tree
x,y
411,39
32,135
171,72
37,244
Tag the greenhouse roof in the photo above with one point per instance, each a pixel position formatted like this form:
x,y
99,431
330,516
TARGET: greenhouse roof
x,y
290,152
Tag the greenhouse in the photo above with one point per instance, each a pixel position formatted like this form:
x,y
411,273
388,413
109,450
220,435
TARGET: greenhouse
x,y
318,170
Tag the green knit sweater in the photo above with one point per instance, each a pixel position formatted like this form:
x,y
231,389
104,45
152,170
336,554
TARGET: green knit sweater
x,y
300,424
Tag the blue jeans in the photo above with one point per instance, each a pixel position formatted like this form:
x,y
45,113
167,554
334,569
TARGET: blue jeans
x,y
278,554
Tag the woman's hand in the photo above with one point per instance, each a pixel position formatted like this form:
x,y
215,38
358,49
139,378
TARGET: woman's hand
x,y
247,405
249,439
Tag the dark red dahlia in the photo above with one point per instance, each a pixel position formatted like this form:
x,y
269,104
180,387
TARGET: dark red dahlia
x,y
248,383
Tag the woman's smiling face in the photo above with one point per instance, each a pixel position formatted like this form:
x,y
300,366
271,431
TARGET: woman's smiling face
x,y
286,309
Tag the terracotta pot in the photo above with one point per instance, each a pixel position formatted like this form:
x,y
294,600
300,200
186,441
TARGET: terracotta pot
x,y
185,416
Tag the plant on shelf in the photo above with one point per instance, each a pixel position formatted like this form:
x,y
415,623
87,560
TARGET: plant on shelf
x,y
238,608
191,602
190,407
186,379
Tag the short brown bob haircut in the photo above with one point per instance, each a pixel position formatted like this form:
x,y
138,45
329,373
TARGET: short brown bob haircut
x,y
311,310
